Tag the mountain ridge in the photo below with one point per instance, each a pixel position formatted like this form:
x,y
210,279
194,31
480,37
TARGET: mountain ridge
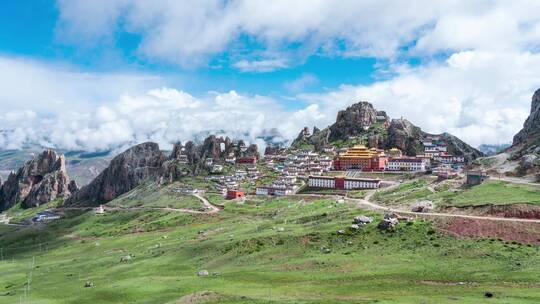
x,y
361,122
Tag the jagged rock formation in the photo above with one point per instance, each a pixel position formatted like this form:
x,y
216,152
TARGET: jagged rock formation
x,y
316,141
405,136
353,121
528,139
39,181
361,122
125,172
147,162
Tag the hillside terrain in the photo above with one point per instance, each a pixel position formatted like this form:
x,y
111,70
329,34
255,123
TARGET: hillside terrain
x,y
155,227
362,123
261,251
522,158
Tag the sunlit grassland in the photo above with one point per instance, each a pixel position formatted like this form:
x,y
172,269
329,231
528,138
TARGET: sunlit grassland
x,y
265,252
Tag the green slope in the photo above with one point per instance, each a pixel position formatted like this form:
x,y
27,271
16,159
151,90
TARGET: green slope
x,y
266,252
454,193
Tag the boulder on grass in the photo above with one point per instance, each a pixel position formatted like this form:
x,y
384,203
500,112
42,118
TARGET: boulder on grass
x,y
203,273
354,227
423,206
362,220
388,224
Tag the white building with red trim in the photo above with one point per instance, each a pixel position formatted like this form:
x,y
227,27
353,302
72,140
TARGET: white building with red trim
x,y
413,164
343,183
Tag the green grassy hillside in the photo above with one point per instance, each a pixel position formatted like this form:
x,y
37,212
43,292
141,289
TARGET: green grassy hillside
x,y
453,193
150,195
273,251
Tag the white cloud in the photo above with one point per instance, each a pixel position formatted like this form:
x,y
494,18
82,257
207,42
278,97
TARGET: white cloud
x,y
27,84
190,32
478,69
302,83
163,115
187,32
260,66
481,97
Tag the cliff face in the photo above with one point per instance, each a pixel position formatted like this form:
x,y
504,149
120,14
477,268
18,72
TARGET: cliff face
x,y
39,181
361,122
405,136
147,162
528,139
125,172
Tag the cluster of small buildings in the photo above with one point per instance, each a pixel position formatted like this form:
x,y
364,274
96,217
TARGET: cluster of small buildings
x,y
436,149
231,182
283,185
300,163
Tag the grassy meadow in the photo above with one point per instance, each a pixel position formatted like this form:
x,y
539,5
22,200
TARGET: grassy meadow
x,y
454,193
271,251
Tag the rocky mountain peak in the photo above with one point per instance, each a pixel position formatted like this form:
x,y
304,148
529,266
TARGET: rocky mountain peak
x,y
354,120
38,181
361,122
528,139
126,171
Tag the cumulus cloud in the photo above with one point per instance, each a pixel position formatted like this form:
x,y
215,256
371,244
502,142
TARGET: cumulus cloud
x,y
27,84
477,69
162,115
182,32
482,97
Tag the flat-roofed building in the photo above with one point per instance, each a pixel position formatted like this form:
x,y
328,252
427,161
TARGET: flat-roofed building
x,y
343,183
406,164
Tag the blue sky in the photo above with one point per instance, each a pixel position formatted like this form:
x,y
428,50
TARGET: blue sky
x,y
101,74
30,30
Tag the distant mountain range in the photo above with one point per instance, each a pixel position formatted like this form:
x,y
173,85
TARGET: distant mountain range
x,y
488,149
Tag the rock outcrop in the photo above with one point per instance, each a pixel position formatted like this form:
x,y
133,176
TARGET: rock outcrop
x,y
125,172
405,136
39,181
353,121
527,140
362,123
147,162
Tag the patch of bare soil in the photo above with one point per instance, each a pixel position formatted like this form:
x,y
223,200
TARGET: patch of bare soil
x,y
523,232
525,211
199,297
